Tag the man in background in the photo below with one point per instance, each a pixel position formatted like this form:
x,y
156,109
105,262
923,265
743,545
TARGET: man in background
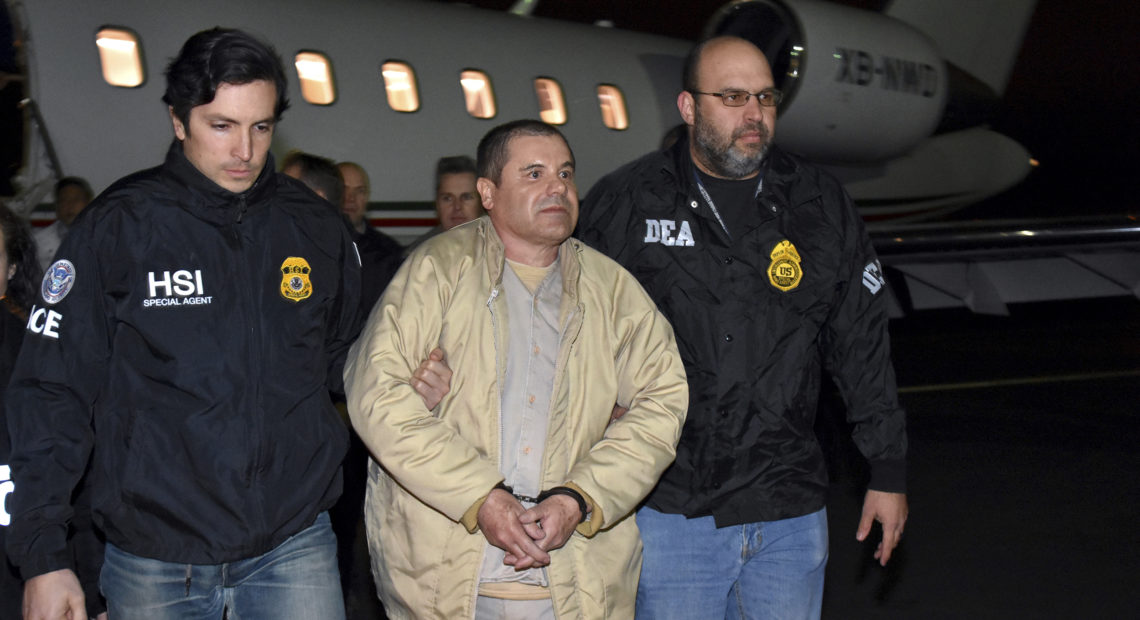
x,y
72,194
456,197
380,255
319,174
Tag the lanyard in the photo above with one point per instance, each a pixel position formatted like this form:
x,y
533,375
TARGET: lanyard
x,y
709,200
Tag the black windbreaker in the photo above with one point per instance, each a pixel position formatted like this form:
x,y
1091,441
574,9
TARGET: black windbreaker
x,y
190,336
757,320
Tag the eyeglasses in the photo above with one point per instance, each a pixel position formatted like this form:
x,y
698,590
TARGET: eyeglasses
x,y
736,98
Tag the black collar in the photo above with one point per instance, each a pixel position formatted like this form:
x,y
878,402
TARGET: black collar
x,y
214,201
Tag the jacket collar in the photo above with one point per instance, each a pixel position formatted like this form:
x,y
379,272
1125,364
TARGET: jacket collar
x,y
783,178
208,199
568,260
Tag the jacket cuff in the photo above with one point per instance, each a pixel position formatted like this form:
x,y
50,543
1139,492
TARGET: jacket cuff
x,y
43,564
470,519
888,475
594,517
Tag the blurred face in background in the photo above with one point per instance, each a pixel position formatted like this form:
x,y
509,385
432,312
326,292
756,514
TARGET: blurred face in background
x,y
357,191
457,199
69,202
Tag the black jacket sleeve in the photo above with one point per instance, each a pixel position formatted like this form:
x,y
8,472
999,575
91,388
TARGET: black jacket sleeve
x,y
604,214
58,375
856,352
346,320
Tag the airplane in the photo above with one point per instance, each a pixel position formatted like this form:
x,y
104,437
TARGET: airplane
x,y
893,103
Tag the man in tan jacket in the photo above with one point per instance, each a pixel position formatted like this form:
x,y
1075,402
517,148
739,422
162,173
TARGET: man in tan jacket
x,y
510,498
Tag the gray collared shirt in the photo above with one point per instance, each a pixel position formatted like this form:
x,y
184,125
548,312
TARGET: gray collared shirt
x,y
525,399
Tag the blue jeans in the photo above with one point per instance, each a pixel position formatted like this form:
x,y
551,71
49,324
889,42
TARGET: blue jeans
x,y
297,580
691,569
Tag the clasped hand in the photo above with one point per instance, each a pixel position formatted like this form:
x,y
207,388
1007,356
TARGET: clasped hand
x,y
527,535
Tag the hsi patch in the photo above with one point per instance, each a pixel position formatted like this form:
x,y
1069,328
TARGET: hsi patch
x,y
295,283
57,282
182,287
785,272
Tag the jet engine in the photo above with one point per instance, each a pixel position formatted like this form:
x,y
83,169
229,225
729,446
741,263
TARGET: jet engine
x,y
859,86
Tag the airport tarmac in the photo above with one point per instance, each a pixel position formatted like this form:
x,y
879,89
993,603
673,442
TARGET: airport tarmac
x,y
1024,473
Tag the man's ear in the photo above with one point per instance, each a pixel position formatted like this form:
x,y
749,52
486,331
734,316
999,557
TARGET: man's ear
x,y
685,103
179,128
486,189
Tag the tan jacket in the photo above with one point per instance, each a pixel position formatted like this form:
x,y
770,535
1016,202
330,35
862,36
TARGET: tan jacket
x,y
616,348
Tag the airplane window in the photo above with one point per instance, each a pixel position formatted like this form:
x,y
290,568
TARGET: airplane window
x,y
314,71
612,103
477,93
120,56
551,105
400,82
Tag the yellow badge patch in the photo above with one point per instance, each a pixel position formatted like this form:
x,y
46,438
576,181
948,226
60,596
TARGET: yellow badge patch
x,y
785,272
295,283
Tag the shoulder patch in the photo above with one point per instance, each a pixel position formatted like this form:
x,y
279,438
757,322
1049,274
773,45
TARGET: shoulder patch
x,y
785,272
57,282
295,282
873,276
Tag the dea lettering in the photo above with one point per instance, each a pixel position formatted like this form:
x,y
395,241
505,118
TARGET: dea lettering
x,y
295,283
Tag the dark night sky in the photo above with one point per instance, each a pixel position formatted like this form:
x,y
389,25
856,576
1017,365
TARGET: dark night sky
x,y
1071,100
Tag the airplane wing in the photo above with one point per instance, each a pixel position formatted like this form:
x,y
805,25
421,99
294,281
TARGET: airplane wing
x,y
986,265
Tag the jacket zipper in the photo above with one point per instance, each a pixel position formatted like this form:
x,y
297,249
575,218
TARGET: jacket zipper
x,y
498,371
499,457
250,313
242,206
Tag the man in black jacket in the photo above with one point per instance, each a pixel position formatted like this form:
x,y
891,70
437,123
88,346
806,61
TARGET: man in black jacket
x,y
762,264
380,255
187,336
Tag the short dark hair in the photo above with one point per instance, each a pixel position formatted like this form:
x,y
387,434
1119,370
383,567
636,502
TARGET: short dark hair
x,y
21,251
79,182
493,148
320,174
456,164
220,56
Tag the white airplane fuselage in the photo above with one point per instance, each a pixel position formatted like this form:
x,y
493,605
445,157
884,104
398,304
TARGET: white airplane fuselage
x,y
875,130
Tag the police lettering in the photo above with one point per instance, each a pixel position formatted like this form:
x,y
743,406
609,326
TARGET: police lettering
x,y
661,231
44,321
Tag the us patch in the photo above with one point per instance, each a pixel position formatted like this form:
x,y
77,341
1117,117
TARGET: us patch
x,y
785,272
57,282
295,283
